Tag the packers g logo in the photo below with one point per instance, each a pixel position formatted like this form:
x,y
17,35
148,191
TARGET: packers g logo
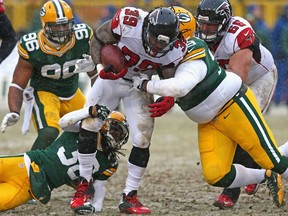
x,y
42,11
183,17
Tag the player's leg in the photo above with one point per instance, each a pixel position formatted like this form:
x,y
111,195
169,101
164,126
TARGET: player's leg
x,y
14,182
141,126
75,103
217,152
46,114
260,143
263,88
229,196
103,92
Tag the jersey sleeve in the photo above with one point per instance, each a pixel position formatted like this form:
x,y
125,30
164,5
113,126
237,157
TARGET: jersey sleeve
x,y
78,30
195,50
240,34
245,38
125,19
22,49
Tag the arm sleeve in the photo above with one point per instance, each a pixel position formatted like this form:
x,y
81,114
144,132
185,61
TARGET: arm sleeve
x,y
187,76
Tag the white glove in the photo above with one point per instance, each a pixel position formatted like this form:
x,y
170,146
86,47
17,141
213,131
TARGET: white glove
x,y
139,80
99,195
84,65
9,120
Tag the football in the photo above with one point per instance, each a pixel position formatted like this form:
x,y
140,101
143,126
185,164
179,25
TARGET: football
x,y
112,56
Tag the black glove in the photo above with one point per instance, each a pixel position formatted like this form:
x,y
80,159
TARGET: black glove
x,y
99,111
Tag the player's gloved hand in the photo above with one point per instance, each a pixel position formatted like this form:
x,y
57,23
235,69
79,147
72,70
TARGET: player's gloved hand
x,y
107,73
138,81
99,111
9,120
84,65
161,106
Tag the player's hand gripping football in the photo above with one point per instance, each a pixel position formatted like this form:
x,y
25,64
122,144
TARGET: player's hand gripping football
x,y
9,120
107,72
161,106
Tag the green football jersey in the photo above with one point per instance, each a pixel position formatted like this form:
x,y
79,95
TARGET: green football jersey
x,y
52,68
198,49
59,162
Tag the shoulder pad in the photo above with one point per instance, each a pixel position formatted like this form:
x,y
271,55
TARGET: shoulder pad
x,y
22,52
83,31
195,50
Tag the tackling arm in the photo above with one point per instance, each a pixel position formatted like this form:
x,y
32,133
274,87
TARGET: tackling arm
x,y
240,63
21,77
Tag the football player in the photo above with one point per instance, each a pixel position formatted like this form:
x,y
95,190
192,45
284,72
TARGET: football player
x,y
8,37
226,111
47,59
148,40
33,174
237,48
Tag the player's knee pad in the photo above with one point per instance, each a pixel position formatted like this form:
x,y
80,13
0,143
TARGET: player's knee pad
x,y
46,137
216,176
87,141
226,180
139,157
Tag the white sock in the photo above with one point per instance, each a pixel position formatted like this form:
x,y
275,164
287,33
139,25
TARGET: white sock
x,y
135,174
86,165
246,176
99,194
284,149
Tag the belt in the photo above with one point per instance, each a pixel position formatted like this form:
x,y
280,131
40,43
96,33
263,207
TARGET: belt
x,y
241,92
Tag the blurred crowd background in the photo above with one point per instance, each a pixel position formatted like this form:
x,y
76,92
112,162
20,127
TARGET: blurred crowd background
x,y
269,19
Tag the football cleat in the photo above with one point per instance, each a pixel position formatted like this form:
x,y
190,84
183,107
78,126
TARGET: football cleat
x,y
80,202
251,189
87,208
130,204
274,183
223,201
227,198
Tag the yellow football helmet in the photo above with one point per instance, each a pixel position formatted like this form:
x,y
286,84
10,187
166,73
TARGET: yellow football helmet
x,y
187,21
115,130
57,21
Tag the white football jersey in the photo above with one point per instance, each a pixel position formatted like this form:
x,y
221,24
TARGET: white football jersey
x,y
128,24
241,35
